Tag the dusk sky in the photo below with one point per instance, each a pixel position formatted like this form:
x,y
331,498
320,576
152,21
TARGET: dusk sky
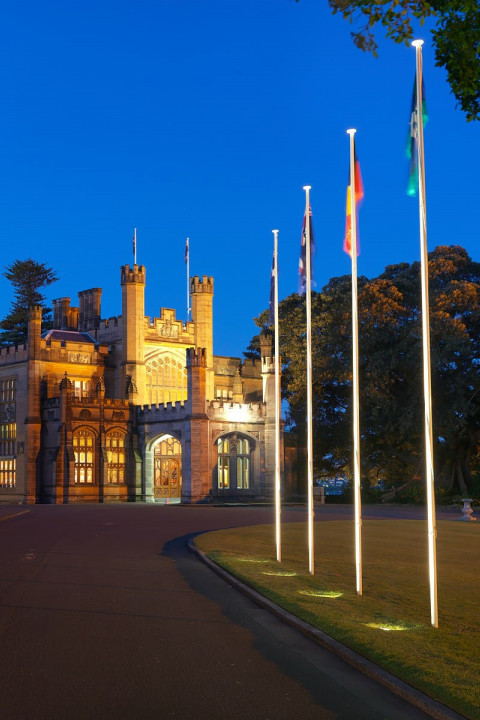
x,y
205,118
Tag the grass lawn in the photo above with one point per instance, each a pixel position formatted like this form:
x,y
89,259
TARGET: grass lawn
x,y
390,622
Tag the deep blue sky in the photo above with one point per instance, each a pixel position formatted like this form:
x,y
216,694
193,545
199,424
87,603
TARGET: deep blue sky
x,y
204,118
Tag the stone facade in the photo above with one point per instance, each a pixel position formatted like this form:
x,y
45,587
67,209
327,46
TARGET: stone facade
x,y
132,408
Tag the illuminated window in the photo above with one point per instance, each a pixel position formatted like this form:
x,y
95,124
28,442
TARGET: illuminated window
x,y
234,462
84,449
8,432
81,388
223,464
115,444
7,473
166,380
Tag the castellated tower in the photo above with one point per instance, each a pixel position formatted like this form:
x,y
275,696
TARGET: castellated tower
x,y
196,462
202,315
133,333
33,420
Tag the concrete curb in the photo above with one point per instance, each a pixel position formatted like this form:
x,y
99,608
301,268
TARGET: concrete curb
x,y
14,515
415,697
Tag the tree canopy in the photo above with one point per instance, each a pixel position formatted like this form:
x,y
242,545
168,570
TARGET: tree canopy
x,y
456,36
391,389
27,278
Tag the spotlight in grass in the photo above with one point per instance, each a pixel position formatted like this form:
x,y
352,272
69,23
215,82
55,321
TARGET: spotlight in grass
x,y
253,560
321,593
389,627
279,573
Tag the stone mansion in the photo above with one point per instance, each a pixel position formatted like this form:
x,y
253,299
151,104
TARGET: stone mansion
x,y
133,408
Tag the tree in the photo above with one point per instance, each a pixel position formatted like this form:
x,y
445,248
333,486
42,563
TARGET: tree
x,y
390,362
456,37
27,278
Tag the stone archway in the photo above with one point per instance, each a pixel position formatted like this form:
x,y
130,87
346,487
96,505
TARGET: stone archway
x,y
167,468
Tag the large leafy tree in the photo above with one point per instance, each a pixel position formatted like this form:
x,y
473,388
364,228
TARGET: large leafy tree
x,y
27,277
456,36
390,369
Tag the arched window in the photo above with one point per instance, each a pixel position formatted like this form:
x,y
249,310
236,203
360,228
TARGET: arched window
x,y
234,462
84,450
115,445
166,378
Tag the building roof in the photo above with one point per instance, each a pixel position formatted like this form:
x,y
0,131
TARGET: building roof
x,y
69,336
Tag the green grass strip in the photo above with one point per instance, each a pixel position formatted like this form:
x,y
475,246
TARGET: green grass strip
x,y
390,623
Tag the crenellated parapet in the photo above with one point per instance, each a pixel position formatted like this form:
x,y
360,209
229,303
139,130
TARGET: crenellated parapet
x,y
63,351
135,274
161,413
236,412
13,354
201,285
110,330
196,357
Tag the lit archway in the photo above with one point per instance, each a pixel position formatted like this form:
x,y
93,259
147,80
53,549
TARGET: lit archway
x,y
167,468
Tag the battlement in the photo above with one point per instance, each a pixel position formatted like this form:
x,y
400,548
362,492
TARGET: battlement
x,y
205,285
196,357
268,365
110,330
160,413
236,412
72,352
116,402
136,274
13,354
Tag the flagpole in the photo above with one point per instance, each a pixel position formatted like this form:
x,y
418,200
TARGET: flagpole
x,y
278,500
187,258
134,246
308,273
427,384
356,393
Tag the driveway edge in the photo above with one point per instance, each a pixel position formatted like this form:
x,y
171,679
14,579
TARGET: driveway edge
x,y
415,697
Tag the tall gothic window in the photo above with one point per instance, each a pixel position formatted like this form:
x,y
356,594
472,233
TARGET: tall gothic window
x,y
234,462
115,444
166,379
8,433
84,449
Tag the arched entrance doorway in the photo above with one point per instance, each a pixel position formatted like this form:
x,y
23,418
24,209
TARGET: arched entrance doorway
x,y
167,468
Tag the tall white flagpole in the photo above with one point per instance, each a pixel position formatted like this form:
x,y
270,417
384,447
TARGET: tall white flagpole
x,y
278,496
430,479
134,246
427,384
356,393
187,260
308,277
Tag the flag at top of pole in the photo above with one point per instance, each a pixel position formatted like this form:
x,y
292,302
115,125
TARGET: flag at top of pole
x,y
271,305
135,246
412,143
302,263
355,171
